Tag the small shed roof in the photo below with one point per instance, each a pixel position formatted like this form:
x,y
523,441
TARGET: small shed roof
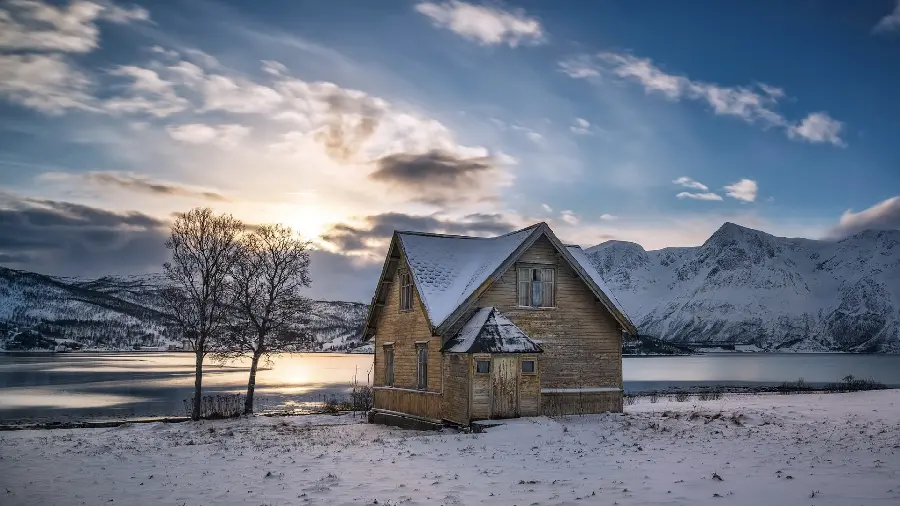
x,y
490,331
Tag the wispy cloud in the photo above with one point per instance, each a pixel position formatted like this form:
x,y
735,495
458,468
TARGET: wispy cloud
x,y
699,196
882,216
754,104
581,126
608,217
36,41
569,217
818,127
483,24
744,190
225,136
132,182
690,183
890,22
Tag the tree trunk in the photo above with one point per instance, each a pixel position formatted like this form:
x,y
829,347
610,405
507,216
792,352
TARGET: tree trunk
x,y
251,384
198,381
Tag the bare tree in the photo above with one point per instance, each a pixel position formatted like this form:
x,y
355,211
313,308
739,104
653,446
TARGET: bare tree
x,y
204,248
270,312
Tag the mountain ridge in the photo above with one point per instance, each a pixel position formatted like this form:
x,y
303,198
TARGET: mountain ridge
x,y
744,286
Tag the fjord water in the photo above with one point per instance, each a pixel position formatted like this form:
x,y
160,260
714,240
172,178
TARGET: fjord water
x,y
75,386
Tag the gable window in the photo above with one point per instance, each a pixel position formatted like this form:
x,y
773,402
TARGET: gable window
x,y
406,291
536,286
482,366
422,366
388,365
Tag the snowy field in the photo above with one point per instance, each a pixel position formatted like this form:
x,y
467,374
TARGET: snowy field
x,y
835,449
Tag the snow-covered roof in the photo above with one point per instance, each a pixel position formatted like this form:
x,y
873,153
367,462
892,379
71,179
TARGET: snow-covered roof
x,y
585,264
490,331
448,269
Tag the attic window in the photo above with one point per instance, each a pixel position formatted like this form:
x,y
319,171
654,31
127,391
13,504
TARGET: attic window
x,y
406,291
536,286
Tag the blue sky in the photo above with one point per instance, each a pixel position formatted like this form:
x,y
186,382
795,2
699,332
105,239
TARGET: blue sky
x,y
653,122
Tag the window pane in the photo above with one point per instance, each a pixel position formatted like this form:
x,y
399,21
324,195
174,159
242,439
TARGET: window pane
x,y
524,299
528,366
482,366
422,366
536,294
389,367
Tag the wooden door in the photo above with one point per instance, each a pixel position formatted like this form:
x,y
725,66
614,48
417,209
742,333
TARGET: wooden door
x,y
504,386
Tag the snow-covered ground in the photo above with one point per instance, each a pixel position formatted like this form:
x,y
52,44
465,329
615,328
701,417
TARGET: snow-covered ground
x,y
829,449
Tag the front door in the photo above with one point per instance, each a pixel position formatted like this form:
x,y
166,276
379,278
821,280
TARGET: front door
x,y
504,386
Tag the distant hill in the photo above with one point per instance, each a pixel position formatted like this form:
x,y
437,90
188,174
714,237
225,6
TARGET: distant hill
x,y
119,312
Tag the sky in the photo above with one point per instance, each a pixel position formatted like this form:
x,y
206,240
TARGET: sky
x,y
653,122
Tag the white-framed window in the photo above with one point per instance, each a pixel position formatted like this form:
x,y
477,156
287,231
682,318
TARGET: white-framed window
x,y
388,365
482,366
422,366
529,366
537,286
406,291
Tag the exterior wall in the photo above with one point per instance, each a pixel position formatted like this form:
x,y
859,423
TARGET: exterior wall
x,y
456,387
413,402
581,339
581,403
404,329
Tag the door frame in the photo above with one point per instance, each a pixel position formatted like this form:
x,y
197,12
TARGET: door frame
x,y
512,359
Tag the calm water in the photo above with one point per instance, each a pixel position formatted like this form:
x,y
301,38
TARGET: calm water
x,y
114,385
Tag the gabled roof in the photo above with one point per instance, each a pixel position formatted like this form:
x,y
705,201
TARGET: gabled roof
x,y
448,269
490,331
451,271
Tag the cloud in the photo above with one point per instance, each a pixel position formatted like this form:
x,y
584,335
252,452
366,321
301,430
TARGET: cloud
x,y
133,182
569,217
374,231
690,183
336,276
818,127
882,216
608,217
531,134
581,126
32,25
147,93
485,25
744,190
890,22
699,196
436,177
546,208
44,82
64,238
225,136
754,104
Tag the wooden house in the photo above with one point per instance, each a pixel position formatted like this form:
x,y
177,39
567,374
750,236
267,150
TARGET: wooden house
x,y
471,328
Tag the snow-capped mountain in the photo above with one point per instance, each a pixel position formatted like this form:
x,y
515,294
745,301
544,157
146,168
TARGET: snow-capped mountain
x,y
118,312
746,287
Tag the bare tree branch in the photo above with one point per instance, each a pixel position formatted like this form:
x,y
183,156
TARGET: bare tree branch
x,y
270,314
204,248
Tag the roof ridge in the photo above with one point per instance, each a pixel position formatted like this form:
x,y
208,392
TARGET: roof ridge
x,y
460,236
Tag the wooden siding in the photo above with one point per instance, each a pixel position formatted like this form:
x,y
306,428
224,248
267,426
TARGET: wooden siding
x,y
404,329
456,387
581,339
424,404
580,403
